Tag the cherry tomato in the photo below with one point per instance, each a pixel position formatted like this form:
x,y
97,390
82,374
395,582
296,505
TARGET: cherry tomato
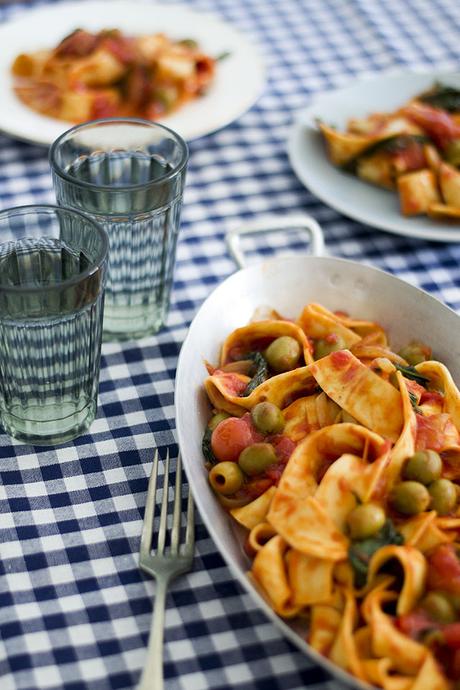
x,y
78,44
455,665
451,633
256,487
432,397
103,106
284,447
438,124
274,472
121,47
414,623
444,569
435,432
232,436
232,382
410,157
229,438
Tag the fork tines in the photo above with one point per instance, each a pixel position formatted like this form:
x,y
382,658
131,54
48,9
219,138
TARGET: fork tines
x,y
177,547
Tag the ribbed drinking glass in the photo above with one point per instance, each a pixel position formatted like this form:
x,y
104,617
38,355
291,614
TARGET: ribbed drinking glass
x,y
129,176
52,276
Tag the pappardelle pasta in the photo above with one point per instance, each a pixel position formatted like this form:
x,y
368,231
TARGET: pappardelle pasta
x,y
341,458
109,74
414,150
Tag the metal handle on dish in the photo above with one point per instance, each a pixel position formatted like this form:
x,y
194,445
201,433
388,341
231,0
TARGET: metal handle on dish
x,y
298,221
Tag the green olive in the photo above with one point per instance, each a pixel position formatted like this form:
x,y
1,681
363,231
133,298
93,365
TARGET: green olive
x,y
226,478
424,466
365,520
414,353
438,607
188,43
217,419
283,354
233,501
324,346
452,153
454,599
167,96
410,498
443,496
256,458
432,638
267,418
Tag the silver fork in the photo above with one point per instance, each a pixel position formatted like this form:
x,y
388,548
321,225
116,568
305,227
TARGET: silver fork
x,y
163,564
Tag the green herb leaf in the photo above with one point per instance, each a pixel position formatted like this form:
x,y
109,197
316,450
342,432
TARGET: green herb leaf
x,y
189,43
223,56
319,121
393,144
261,372
412,373
444,97
206,446
361,552
413,400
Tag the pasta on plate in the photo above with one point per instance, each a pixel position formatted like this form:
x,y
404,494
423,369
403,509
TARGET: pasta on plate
x,y
414,150
109,74
341,459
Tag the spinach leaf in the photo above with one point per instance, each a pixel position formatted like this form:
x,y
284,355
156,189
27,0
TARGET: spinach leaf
x,y
361,552
412,373
445,97
413,401
261,371
223,56
393,144
206,446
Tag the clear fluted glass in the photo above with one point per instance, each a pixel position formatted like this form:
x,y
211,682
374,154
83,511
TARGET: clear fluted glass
x,y
128,175
53,265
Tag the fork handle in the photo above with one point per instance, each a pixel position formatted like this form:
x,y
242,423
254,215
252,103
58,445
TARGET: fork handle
x,y
152,675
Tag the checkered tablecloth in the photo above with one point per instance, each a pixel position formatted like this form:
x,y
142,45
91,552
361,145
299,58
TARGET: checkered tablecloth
x,y
74,608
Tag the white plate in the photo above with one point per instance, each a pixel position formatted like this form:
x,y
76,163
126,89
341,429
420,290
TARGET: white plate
x,y
238,83
349,195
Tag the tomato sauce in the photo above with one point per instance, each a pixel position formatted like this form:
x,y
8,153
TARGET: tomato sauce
x,y
434,431
444,569
340,359
431,397
239,350
232,382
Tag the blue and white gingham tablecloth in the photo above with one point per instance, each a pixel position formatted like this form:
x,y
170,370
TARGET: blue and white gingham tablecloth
x,y
74,608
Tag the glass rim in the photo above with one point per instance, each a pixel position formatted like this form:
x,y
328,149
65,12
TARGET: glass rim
x,y
68,282
56,168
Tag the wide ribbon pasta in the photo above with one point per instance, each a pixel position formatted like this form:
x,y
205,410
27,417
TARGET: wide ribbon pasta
x,y
370,399
349,478
107,74
222,389
258,335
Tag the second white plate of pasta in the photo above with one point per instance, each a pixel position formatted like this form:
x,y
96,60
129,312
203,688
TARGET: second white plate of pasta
x,y
211,75
373,205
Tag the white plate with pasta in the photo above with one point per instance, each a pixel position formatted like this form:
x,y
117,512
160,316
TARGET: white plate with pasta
x,y
319,500
354,197
210,76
